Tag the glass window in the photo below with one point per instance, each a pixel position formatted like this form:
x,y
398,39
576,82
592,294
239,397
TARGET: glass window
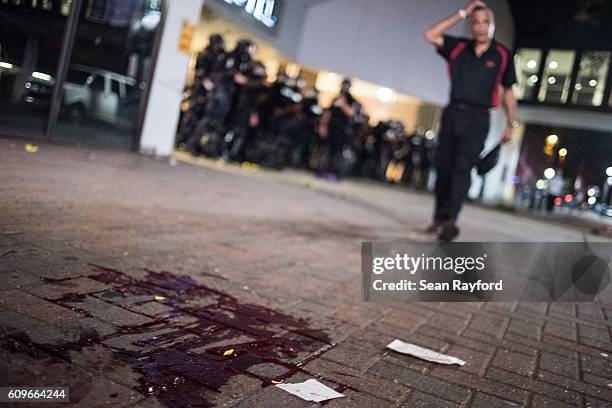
x,y
527,64
557,76
30,46
115,40
96,83
591,81
76,76
115,87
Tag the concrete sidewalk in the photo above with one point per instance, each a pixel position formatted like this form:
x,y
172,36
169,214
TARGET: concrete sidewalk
x,y
139,283
404,204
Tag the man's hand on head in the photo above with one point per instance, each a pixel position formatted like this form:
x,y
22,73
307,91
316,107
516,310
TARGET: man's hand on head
x,y
469,9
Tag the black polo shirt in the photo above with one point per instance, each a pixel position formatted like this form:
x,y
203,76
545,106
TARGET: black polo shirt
x,y
477,80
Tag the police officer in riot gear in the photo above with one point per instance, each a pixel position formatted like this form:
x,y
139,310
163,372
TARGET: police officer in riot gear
x,y
209,62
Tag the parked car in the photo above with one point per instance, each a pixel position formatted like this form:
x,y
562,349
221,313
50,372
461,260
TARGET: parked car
x,y
88,93
98,94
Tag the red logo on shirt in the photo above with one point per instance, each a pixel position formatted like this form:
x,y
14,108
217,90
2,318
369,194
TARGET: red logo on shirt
x,y
490,64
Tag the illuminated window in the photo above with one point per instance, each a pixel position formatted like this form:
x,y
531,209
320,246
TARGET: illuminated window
x,y
557,76
65,10
591,81
527,64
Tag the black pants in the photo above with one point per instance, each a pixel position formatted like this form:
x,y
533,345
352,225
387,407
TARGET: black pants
x,y
550,202
461,140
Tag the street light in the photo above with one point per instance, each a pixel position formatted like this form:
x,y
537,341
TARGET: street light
x,y
552,139
563,152
549,173
609,171
541,184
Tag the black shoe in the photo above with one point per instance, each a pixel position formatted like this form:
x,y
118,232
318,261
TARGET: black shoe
x,y
448,233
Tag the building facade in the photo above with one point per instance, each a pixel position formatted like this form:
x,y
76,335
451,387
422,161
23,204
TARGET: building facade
x,y
379,43
113,72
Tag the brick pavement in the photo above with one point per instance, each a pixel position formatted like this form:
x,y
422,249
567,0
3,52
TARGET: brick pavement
x,y
127,279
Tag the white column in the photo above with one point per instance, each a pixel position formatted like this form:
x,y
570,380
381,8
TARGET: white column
x,y
162,115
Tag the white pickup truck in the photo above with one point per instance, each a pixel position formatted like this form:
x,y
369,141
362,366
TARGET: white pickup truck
x,y
99,94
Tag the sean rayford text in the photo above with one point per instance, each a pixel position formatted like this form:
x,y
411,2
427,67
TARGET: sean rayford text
x,y
424,285
413,264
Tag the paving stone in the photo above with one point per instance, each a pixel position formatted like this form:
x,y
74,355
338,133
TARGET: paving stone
x,y
403,319
11,322
560,365
355,399
146,341
532,308
57,289
101,392
551,344
358,315
603,382
473,344
488,401
562,330
150,308
274,397
541,387
87,324
51,267
233,338
486,385
15,279
492,326
421,382
514,362
475,362
102,360
109,313
352,356
241,386
449,323
595,344
510,342
268,370
434,343
562,309
563,347
591,402
123,299
369,383
39,309
297,250
590,310
545,402
421,400
526,329
587,331
601,366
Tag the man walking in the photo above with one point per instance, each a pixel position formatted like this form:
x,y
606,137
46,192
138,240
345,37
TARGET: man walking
x,y
481,73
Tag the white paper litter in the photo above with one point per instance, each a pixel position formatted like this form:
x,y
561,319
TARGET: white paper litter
x,y
311,390
423,353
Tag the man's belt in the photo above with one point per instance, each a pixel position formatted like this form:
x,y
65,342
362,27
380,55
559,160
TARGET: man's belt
x,y
469,107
